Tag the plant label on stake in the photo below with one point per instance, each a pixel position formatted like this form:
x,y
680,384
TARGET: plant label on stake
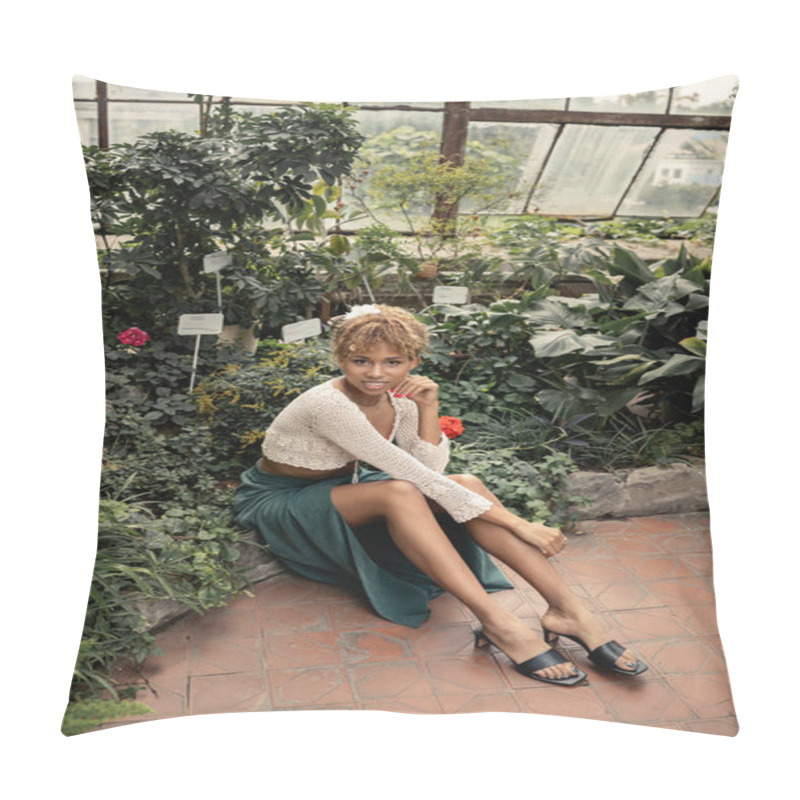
x,y
451,295
214,262
197,325
297,331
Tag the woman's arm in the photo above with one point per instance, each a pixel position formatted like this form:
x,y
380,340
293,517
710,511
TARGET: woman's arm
x,y
424,393
419,431
428,428
339,420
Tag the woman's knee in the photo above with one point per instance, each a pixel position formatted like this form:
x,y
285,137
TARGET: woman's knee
x,y
468,481
400,493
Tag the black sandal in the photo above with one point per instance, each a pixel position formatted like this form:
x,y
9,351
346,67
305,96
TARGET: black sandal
x,y
528,668
605,656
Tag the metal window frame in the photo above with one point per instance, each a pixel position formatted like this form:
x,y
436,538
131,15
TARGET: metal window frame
x,y
455,129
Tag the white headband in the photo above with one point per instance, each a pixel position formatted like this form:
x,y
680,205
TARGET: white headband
x,y
359,311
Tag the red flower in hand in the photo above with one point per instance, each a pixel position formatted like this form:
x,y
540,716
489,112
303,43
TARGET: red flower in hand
x,y
451,426
134,336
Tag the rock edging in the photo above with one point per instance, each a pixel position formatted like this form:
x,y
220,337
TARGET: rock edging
x,y
254,560
671,489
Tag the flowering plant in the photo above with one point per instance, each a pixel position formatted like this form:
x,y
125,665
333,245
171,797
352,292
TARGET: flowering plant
x,y
451,426
134,336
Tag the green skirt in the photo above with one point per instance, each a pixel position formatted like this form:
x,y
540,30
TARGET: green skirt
x,y
303,529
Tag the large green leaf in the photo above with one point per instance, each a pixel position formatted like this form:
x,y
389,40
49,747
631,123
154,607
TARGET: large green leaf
x,y
554,314
550,344
567,403
622,370
628,264
678,364
696,301
694,345
659,295
617,400
699,394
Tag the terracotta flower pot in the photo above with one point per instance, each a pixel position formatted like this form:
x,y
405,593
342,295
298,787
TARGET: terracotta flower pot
x,y
428,270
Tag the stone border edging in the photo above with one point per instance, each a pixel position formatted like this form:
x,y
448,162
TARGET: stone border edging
x,y
643,492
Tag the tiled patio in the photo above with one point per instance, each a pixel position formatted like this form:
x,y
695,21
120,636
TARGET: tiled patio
x,y
302,645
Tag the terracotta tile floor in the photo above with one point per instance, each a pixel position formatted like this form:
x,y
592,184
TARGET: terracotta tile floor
x,y
302,645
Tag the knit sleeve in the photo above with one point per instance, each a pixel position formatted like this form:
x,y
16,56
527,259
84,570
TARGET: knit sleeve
x,y
433,456
341,421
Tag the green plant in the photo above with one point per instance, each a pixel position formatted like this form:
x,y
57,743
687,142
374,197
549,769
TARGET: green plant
x,y
174,198
518,235
638,341
187,556
372,257
84,715
409,177
628,442
699,230
238,402
534,491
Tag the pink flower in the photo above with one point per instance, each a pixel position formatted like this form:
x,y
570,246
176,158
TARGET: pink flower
x,y
134,336
451,426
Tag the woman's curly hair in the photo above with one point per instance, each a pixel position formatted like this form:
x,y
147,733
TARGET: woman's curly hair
x,y
388,325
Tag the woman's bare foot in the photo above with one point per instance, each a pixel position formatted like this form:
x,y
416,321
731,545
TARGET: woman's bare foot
x,y
511,635
583,624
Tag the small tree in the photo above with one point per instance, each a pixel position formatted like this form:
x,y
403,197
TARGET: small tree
x,y
172,198
410,176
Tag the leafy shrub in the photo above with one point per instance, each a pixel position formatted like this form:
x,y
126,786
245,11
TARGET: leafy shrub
x,y
521,234
628,443
571,397
166,528
176,197
238,402
83,715
534,491
187,556
582,364
147,388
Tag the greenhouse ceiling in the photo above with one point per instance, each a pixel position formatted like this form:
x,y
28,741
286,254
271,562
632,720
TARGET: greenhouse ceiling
x,y
650,154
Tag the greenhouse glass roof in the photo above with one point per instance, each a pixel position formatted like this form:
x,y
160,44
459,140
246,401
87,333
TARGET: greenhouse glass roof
x,y
649,154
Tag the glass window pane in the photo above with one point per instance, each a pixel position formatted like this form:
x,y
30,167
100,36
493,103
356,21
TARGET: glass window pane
x,y
127,121
83,87
681,175
86,114
252,108
249,101
130,93
519,150
553,104
639,103
439,106
714,97
589,169
392,138
371,123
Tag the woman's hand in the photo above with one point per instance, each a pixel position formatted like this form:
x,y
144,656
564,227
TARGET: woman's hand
x,y
549,540
423,391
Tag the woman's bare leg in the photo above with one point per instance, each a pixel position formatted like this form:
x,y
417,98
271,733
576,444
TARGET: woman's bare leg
x,y
415,531
566,613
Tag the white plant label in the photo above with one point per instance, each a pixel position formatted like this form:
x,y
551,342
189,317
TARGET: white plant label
x,y
297,331
214,262
452,295
199,324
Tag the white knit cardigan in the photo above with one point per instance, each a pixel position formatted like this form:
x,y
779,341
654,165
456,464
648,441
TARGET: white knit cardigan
x,y
323,429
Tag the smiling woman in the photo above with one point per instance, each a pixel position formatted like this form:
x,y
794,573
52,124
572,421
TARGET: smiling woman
x,y
400,530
